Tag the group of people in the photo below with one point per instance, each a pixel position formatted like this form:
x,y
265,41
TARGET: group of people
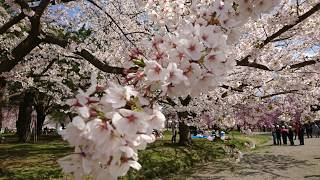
x,y
282,134
312,129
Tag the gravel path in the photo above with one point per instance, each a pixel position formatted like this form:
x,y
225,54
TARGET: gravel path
x,y
273,162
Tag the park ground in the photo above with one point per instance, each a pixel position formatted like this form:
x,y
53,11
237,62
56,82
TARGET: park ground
x,y
160,160
163,160
270,162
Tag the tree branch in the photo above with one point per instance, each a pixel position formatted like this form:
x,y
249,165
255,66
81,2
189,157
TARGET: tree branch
x,y
12,22
185,101
23,4
51,39
279,93
85,54
35,19
114,21
48,66
238,89
138,32
98,64
289,26
18,53
245,61
28,44
303,64
171,101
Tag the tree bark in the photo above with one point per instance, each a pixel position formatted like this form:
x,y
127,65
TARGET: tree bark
x,y
184,131
184,134
1,116
2,90
24,118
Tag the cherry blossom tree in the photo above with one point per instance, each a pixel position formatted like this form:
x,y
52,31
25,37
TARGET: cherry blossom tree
x,y
177,51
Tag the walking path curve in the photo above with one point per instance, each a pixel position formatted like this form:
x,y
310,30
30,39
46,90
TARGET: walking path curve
x,y
271,163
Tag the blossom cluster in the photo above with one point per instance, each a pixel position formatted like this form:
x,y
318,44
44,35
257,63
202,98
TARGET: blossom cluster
x,y
108,131
189,59
195,56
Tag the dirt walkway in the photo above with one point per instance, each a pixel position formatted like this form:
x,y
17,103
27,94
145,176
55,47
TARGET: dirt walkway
x,y
273,162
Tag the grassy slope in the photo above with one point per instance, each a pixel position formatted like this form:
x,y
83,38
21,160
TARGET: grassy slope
x,y
38,161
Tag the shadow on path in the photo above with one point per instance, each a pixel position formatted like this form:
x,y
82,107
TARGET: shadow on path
x,y
312,177
254,164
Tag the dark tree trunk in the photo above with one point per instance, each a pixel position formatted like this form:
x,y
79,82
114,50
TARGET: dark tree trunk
x,y
42,105
184,134
24,119
184,131
41,116
2,89
1,117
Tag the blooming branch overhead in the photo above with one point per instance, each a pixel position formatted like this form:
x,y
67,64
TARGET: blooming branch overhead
x,y
190,54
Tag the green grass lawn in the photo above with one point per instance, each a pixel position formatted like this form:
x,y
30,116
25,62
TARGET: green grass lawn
x,y
160,159
163,158
238,137
32,161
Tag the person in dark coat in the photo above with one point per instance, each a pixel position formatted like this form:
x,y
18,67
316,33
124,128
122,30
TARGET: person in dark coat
x,y
274,135
290,136
296,130
308,128
301,135
278,134
315,130
284,134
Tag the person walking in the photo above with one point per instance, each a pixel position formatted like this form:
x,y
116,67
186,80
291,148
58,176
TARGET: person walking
x,y
301,135
308,128
296,130
290,135
278,134
315,130
284,134
318,135
174,133
274,135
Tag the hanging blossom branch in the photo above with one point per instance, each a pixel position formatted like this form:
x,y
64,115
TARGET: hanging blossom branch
x,y
32,40
37,36
245,61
